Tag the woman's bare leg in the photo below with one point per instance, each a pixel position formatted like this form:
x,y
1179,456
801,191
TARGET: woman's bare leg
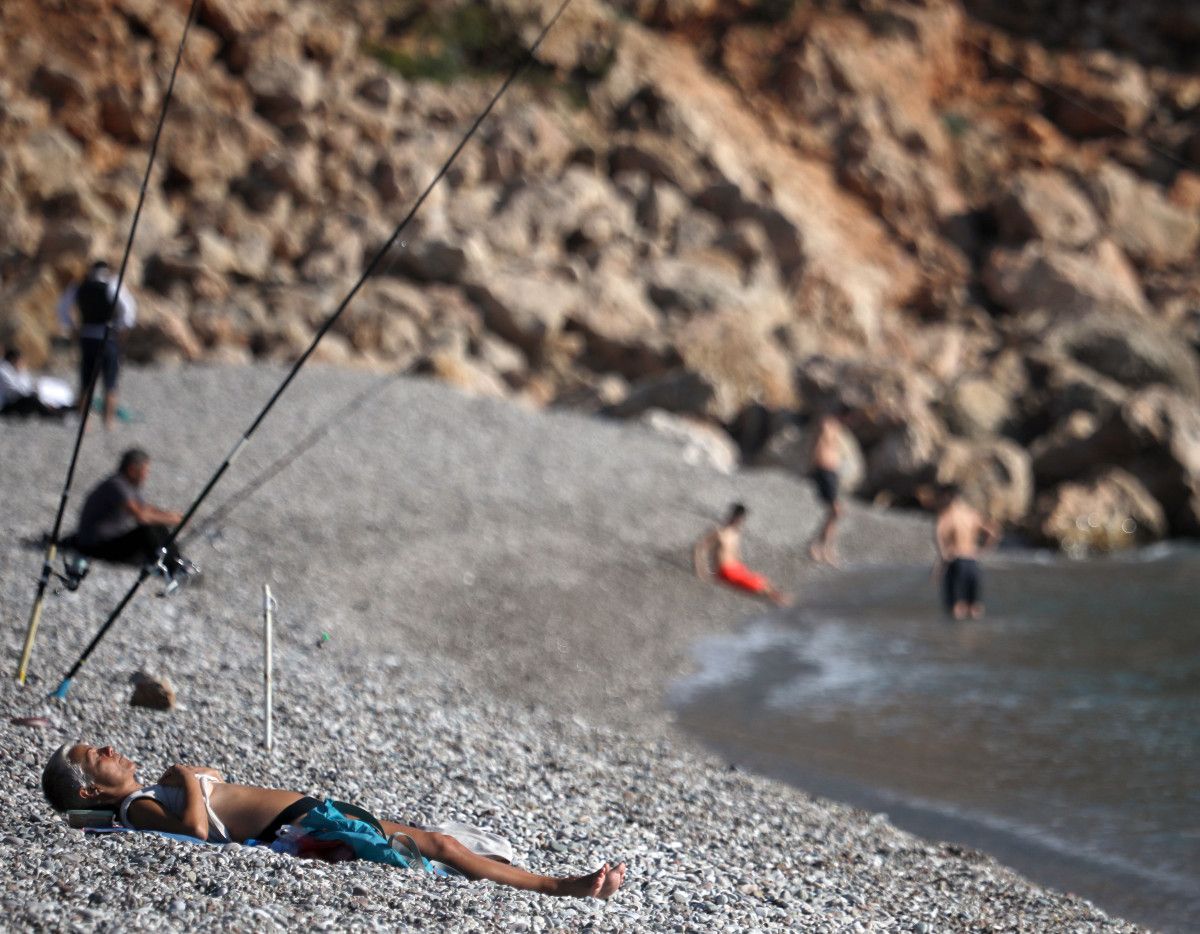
x,y
445,849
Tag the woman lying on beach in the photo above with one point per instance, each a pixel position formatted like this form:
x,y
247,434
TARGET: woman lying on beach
x,y
198,802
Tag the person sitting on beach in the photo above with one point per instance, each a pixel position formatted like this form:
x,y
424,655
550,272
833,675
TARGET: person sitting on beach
x,y
960,533
117,524
198,802
722,547
19,392
825,462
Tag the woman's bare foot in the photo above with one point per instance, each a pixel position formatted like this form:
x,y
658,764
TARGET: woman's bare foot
x,y
600,884
815,552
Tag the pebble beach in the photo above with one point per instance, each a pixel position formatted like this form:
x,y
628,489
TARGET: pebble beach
x,y
481,609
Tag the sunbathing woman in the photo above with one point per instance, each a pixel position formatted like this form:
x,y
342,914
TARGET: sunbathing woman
x,y
197,802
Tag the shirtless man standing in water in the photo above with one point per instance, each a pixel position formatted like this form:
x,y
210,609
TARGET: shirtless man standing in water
x,y
825,462
960,533
722,547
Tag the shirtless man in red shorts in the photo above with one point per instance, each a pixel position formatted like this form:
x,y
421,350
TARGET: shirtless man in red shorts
x,y
722,547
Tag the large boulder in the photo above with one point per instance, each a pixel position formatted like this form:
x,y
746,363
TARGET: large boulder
x,y
905,459
701,442
452,364
693,284
202,155
741,360
526,309
882,398
1046,205
1101,94
904,182
578,209
161,333
431,259
995,476
1164,429
1068,450
48,162
681,392
1068,283
1136,354
1109,512
622,332
284,89
977,407
1155,436
522,144
1065,386
1149,228
654,156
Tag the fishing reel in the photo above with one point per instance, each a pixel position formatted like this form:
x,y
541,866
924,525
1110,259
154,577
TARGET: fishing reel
x,y
175,576
75,569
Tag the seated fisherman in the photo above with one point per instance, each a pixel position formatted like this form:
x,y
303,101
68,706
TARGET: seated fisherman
x,y
197,802
724,545
117,524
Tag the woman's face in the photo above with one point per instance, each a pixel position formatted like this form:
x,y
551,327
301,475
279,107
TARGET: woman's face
x,y
106,768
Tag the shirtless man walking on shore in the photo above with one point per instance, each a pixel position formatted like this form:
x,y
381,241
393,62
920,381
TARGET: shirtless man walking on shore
x,y
722,548
960,533
825,463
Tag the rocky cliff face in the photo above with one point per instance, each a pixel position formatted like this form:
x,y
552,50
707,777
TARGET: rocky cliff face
x,y
973,224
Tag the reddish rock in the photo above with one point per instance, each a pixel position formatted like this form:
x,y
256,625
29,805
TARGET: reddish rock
x,y
153,692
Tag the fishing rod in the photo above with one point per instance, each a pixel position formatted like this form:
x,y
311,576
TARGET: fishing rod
x,y
89,392
380,255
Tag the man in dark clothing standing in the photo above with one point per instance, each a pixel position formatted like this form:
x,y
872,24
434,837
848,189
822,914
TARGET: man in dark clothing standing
x,y
117,524
97,300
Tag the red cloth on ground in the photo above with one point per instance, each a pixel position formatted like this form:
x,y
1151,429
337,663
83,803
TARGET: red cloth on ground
x,y
738,575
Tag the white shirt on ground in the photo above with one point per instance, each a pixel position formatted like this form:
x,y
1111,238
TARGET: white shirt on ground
x,y
14,384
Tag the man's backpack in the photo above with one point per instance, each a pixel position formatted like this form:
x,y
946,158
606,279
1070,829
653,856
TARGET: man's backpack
x,y
93,301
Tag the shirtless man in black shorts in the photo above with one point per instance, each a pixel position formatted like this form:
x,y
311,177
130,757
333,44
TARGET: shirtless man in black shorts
x,y
825,462
960,533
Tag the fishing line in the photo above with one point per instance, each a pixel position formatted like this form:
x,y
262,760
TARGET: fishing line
x,y
376,260
89,391
214,520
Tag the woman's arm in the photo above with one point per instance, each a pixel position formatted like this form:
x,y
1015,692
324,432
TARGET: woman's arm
x,y
148,814
194,820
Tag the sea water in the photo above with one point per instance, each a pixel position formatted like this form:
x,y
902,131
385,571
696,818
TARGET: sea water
x,y
1060,734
